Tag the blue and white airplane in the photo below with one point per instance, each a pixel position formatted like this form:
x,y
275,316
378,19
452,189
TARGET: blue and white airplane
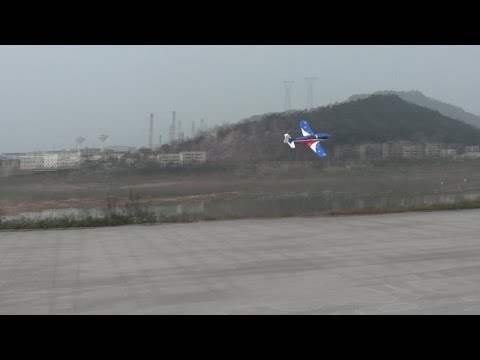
x,y
309,139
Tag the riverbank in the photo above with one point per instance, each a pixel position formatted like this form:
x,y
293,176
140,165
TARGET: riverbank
x,y
144,217
83,199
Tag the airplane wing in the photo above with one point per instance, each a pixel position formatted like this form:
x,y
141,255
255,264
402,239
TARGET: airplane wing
x,y
306,130
318,149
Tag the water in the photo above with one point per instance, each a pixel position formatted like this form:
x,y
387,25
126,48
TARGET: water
x,y
267,205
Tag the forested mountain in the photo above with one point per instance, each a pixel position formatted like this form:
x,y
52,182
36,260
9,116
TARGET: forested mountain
x,y
416,97
374,119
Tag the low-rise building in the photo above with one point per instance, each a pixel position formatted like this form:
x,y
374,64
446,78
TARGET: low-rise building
x,y
472,149
91,153
183,158
28,161
193,157
370,151
392,150
46,160
344,152
448,152
120,149
412,151
434,149
169,159
471,155
9,163
62,159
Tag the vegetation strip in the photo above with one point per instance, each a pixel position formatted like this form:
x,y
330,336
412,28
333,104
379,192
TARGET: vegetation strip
x,y
145,217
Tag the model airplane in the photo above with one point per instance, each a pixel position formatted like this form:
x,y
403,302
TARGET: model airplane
x,y
309,138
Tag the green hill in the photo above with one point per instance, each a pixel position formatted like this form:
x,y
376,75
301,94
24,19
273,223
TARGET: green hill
x,y
375,119
417,98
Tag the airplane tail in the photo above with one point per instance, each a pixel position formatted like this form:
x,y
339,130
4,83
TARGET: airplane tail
x,y
288,140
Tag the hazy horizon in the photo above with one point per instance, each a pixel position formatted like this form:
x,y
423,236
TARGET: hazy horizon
x,y
52,94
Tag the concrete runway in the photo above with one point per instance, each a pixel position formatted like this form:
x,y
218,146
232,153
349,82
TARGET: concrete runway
x,y
411,263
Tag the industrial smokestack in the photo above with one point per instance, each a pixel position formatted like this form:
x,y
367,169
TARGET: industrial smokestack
x,y
172,129
150,136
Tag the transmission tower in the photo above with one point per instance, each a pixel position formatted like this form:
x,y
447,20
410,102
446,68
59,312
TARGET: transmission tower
x,y
310,82
193,128
103,138
79,140
288,100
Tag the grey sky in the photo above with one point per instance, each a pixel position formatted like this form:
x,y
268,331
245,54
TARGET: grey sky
x,y
49,95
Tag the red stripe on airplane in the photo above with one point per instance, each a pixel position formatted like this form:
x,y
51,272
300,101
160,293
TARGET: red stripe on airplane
x,y
306,142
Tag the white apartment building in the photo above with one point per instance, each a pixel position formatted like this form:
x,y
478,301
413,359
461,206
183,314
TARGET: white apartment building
x,y
183,158
412,151
471,155
62,160
449,152
31,161
472,149
9,163
392,150
434,149
169,159
49,160
370,151
193,157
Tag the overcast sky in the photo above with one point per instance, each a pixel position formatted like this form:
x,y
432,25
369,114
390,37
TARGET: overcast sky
x,y
49,95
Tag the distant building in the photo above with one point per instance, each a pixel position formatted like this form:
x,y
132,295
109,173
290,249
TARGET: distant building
x,y
471,155
369,151
412,151
90,151
62,160
392,150
193,157
32,162
47,160
434,149
28,161
183,158
9,163
472,149
169,159
344,152
448,152
91,154
120,149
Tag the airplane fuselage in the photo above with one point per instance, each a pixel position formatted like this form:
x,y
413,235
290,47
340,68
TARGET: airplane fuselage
x,y
307,140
